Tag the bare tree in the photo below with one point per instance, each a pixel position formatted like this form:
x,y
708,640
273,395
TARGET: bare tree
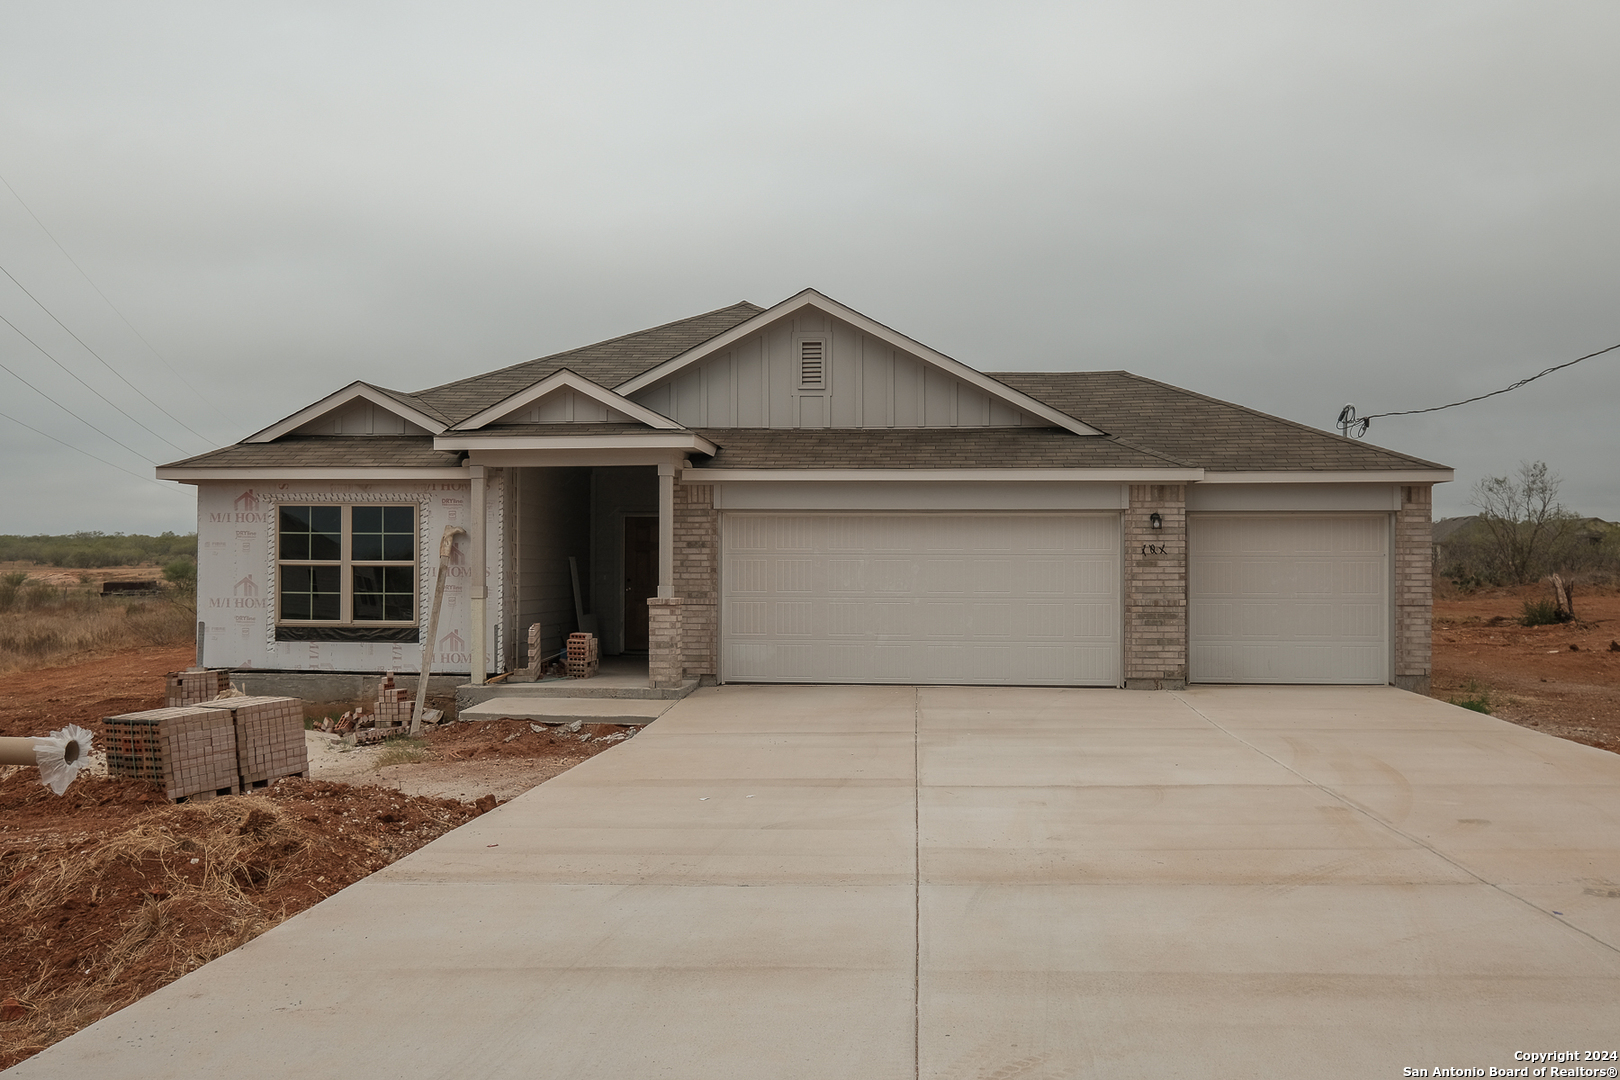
x,y
1527,524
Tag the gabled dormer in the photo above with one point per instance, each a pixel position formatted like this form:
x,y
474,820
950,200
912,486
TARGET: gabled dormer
x,y
565,397
811,362
359,409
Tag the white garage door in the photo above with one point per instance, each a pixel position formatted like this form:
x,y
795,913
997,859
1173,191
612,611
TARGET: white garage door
x,y
1288,598
1018,599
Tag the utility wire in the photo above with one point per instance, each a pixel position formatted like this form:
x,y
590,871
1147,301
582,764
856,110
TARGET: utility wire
x,y
98,356
1351,424
153,348
87,453
88,387
67,410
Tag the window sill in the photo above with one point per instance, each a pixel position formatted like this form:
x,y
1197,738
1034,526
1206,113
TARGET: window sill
x,y
388,634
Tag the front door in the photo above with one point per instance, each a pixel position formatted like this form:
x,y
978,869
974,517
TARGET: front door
x,y
640,578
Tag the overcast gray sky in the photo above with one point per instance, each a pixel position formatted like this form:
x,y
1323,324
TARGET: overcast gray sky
x,y
1290,205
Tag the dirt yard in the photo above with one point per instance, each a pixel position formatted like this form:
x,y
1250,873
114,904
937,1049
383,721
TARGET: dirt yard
x,y
109,891
1564,680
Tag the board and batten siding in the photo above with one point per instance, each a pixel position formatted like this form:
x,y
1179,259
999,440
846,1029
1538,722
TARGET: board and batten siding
x,y
866,383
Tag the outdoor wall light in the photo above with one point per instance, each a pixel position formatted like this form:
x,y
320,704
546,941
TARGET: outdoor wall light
x,y
1155,521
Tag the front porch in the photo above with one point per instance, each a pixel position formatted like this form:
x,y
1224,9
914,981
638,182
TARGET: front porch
x,y
584,541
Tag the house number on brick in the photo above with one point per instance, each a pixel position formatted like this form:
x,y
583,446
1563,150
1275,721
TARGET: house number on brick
x,y
1154,549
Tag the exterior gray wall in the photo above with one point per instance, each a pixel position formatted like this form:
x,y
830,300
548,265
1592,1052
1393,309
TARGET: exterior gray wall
x,y
616,492
553,523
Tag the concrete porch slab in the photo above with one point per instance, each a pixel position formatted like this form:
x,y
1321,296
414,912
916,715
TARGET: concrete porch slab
x,y
565,710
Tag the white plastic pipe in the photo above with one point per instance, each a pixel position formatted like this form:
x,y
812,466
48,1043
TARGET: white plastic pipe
x,y
59,755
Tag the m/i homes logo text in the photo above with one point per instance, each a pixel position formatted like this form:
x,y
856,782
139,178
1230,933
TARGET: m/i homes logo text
x,y
245,510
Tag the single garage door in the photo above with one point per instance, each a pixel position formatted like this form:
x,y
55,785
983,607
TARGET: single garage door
x,y
1288,598
1016,599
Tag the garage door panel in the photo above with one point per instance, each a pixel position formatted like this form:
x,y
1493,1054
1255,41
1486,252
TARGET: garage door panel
x,y
1288,598
946,598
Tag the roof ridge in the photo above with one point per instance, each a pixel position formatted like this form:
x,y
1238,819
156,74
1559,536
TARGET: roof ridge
x,y
596,344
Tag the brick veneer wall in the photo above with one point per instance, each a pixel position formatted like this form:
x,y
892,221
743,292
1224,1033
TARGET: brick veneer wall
x,y
697,577
1414,588
1156,588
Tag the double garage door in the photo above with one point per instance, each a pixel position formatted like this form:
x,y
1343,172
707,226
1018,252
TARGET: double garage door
x,y
1032,599
970,598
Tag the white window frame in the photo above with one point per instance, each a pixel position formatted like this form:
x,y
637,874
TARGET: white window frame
x,y
346,564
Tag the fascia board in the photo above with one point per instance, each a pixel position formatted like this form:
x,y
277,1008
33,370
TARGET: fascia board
x,y
354,391
1336,476
1142,476
812,298
596,456
566,378
271,472
652,440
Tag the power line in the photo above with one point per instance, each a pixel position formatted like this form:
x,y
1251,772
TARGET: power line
x,y
1351,424
87,386
69,411
98,356
152,348
87,453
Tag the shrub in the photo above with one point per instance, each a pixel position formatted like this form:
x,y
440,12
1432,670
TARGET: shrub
x,y
1540,613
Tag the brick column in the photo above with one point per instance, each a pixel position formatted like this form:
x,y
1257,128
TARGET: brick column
x,y
1414,588
1156,588
697,577
664,663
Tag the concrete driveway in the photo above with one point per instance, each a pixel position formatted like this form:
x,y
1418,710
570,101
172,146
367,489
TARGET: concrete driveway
x,y
1225,882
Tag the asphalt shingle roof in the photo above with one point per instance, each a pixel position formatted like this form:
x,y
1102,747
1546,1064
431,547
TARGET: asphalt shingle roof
x,y
607,363
328,451
922,448
1198,430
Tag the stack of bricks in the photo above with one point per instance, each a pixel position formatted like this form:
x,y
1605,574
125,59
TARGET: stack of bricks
x,y
269,738
583,659
191,751
182,688
394,705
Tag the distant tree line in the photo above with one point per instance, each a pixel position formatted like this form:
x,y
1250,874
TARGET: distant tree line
x,y
84,550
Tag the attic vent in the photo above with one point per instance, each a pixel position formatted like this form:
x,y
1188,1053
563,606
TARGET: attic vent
x,y
812,364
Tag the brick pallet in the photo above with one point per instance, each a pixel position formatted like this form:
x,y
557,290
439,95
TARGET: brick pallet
x,y
182,688
269,738
190,752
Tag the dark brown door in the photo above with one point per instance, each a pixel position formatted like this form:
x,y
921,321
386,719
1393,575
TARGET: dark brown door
x,y
640,578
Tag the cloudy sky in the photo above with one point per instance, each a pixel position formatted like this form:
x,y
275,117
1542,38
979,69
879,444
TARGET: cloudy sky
x,y
1291,205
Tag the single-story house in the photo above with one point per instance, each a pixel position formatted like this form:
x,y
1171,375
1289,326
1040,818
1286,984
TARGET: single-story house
x,y
801,494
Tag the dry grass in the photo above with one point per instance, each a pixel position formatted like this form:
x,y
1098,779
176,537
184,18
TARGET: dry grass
x,y
198,870
40,625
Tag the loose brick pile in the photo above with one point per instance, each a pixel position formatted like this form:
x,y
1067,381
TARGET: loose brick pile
x,y
214,748
182,688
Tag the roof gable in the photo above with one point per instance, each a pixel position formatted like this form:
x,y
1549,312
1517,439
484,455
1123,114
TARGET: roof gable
x,y
800,320
355,401
565,397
